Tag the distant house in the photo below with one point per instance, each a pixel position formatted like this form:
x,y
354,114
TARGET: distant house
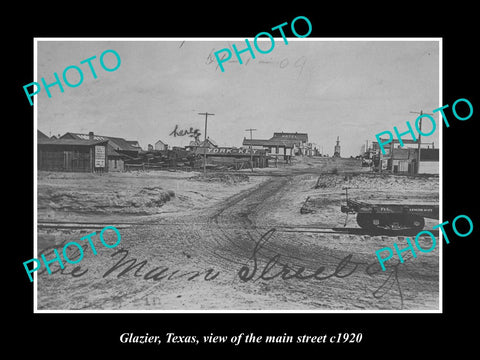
x,y
160,145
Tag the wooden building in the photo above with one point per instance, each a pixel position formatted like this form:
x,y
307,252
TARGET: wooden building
x,y
406,159
120,145
278,149
281,146
72,155
299,139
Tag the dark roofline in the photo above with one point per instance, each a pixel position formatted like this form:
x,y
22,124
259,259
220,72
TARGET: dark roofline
x,y
121,142
41,135
72,142
289,133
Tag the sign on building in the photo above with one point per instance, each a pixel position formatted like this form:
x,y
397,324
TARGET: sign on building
x,y
99,156
225,151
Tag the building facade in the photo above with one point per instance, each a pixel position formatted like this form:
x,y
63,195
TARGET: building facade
x,y
408,159
300,140
281,146
72,155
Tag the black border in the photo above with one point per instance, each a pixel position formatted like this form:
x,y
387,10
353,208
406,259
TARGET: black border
x,y
99,333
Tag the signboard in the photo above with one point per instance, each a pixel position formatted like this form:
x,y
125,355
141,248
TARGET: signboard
x,y
384,164
99,156
223,151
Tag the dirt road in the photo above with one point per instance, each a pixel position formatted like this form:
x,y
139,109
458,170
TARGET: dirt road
x,y
243,253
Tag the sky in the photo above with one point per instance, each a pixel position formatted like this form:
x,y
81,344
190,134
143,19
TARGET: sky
x,y
350,89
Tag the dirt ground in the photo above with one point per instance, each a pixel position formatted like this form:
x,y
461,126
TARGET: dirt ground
x,y
231,241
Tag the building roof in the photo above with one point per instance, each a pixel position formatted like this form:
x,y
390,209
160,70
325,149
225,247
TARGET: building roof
x,y
71,142
214,143
134,143
196,143
112,153
41,135
116,142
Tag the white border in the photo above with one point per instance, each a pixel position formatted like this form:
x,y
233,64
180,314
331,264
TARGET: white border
x,y
387,39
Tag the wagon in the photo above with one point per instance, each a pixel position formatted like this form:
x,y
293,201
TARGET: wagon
x,y
375,216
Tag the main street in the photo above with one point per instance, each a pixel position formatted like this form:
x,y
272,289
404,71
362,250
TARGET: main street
x,y
237,255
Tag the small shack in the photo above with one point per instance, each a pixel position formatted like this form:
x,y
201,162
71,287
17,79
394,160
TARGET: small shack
x,y
116,160
72,155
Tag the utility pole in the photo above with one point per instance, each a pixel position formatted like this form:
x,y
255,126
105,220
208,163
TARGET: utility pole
x,y
419,137
205,143
251,154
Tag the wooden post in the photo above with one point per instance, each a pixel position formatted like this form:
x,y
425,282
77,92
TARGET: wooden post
x,y
205,142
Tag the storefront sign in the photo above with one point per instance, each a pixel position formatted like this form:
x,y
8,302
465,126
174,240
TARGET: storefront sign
x,y
99,156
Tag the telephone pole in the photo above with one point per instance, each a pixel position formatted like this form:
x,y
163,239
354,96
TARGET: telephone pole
x,y
205,142
251,155
419,137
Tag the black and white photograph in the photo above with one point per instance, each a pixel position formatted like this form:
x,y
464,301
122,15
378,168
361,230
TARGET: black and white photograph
x,y
234,175
219,179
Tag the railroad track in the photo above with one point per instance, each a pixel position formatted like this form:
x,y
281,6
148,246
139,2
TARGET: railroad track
x,y
287,229
81,225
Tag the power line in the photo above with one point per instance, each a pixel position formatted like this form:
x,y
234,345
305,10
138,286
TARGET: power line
x,y
251,155
205,142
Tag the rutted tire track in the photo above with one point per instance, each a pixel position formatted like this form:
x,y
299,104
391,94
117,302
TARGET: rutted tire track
x,y
234,223
223,238
384,291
